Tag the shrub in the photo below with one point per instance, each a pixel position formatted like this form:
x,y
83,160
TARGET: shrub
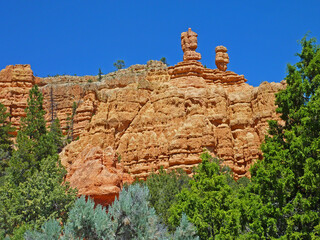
x,y
119,64
129,217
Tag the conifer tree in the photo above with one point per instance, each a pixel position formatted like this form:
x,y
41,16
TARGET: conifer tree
x,y
33,191
163,188
33,141
100,75
6,142
286,183
208,202
56,134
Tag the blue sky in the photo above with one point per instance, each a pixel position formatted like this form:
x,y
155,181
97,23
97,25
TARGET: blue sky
x,y
79,37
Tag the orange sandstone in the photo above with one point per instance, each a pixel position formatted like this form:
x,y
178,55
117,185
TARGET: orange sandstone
x,y
149,116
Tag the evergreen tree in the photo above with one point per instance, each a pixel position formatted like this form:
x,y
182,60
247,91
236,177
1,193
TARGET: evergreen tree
x,y
100,75
163,188
33,141
286,182
209,202
33,191
164,60
39,198
119,64
56,134
5,140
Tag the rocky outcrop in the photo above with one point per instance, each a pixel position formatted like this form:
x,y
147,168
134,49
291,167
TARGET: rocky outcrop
x,y
97,173
138,119
168,121
15,83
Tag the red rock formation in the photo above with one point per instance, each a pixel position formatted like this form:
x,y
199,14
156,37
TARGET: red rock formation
x,y
151,116
222,58
15,83
189,44
96,173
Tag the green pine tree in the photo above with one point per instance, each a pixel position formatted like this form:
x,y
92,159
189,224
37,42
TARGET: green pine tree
x,y
6,143
286,182
119,64
39,198
163,188
34,189
209,202
56,134
33,141
100,75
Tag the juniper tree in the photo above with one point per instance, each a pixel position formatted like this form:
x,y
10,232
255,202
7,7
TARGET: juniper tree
x,y
286,183
209,202
163,188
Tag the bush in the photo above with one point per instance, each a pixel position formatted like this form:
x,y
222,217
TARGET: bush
x,y
119,64
129,217
163,189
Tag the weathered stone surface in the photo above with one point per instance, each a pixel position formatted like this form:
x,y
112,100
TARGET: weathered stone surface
x,y
222,58
15,83
171,122
96,173
189,44
151,116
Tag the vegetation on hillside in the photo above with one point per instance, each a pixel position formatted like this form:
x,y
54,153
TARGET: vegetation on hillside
x,y
129,217
33,190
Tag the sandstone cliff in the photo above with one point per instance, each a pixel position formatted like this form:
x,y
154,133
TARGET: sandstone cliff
x,y
152,120
135,120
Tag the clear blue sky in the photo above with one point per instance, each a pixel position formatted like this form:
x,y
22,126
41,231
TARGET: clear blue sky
x,y
78,37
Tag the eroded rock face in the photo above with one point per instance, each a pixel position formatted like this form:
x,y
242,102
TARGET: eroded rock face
x,y
149,116
97,173
15,83
189,44
222,58
165,121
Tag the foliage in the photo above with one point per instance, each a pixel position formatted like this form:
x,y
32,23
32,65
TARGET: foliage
x,y
33,141
100,75
164,60
41,197
33,191
56,134
70,123
129,217
5,139
163,188
185,231
119,64
286,183
209,201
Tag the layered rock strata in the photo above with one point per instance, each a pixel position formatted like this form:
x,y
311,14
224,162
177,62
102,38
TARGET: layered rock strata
x,y
159,120
15,83
138,119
